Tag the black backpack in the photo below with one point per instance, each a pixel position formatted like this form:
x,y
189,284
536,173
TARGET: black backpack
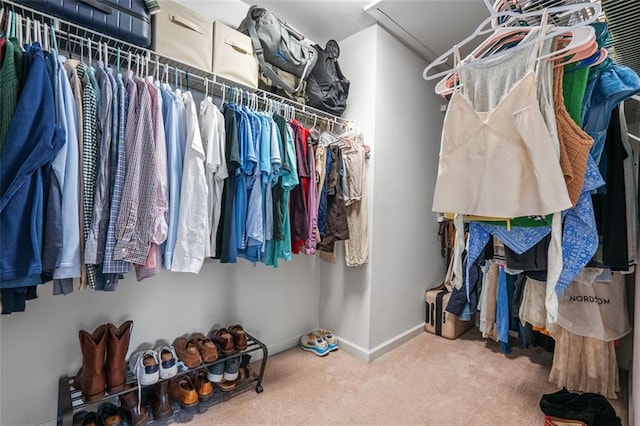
x,y
327,87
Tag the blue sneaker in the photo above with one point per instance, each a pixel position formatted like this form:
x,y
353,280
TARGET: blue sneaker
x,y
231,367
316,344
329,337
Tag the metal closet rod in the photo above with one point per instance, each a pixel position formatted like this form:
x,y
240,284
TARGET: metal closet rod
x,y
183,78
66,30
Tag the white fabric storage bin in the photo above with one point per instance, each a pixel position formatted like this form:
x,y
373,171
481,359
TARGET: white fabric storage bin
x,y
233,56
183,35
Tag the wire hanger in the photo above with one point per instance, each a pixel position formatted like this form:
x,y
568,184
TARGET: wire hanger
x,y
54,40
28,24
89,51
38,32
480,30
18,25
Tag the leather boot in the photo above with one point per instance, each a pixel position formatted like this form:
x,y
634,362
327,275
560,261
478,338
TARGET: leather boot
x,y
161,401
117,347
136,416
91,378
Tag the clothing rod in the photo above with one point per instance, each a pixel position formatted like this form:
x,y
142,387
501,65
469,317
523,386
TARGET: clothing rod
x,y
636,98
166,73
66,30
634,137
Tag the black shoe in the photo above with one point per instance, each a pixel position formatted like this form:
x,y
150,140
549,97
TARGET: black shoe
x,y
109,415
85,418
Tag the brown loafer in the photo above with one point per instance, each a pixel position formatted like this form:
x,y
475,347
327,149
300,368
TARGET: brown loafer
x,y
224,339
187,351
239,337
183,391
207,348
203,386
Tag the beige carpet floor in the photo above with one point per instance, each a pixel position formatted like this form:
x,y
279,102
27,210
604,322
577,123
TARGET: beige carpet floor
x,y
428,380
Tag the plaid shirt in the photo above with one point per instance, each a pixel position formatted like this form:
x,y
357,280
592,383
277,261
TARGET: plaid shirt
x,y
153,265
94,246
112,267
89,157
135,229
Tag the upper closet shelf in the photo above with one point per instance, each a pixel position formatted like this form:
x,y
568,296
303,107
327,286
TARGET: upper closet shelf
x,y
86,43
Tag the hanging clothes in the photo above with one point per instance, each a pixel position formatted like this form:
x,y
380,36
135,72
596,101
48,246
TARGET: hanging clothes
x,y
141,210
159,188
34,140
213,139
357,246
97,233
337,227
226,229
67,160
476,158
193,225
175,137
298,209
11,84
112,268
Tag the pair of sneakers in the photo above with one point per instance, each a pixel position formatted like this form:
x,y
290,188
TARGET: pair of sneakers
x,y
152,365
319,342
225,373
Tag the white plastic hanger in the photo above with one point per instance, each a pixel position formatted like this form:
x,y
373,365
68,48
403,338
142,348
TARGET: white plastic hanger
x,y
480,30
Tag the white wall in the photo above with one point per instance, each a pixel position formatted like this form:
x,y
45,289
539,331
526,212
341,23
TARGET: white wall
x,y
401,119
406,249
345,292
42,344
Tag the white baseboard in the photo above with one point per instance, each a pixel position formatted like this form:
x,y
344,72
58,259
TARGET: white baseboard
x,y
372,354
292,342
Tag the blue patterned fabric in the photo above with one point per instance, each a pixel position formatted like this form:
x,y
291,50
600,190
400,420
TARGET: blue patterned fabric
x,y
518,239
580,234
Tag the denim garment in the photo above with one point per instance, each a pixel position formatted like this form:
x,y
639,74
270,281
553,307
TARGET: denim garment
x,y
608,89
502,311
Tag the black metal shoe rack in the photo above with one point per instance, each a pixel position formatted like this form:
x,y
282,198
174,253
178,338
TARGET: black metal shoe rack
x,y
70,399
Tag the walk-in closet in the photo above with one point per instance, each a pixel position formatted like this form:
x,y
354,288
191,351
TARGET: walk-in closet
x,y
319,212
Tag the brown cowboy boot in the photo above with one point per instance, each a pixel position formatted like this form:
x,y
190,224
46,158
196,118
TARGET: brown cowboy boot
x,y
134,411
90,378
117,347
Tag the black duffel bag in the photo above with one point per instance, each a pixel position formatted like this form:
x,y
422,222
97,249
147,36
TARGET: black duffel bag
x,y
327,87
127,20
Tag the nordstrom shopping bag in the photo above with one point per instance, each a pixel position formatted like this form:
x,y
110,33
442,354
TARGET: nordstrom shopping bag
x,y
597,310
